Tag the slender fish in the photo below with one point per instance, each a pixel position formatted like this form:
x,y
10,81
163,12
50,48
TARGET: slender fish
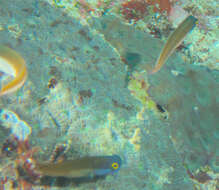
x,y
174,40
12,63
82,167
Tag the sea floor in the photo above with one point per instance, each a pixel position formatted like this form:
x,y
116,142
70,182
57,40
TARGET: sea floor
x,y
88,93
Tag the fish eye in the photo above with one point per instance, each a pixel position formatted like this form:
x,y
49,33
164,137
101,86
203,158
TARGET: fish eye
x,y
115,165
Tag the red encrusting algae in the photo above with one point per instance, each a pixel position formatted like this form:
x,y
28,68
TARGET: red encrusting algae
x,y
160,5
137,9
134,10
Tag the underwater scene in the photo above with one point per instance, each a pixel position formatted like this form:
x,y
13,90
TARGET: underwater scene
x,y
109,95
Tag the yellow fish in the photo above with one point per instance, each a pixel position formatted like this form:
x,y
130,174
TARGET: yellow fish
x,y
174,40
12,63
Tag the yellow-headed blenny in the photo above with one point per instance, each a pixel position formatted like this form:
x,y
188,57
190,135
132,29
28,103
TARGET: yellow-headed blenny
x,y
174,40
82,167
12,63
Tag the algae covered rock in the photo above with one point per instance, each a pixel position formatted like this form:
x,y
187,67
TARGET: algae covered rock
x,y
86,88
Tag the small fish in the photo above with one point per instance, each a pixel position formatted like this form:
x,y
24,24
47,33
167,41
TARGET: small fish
x,y
82,167
12,63
174,40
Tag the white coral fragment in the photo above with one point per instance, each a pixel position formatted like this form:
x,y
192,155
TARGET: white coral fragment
x,y
19,128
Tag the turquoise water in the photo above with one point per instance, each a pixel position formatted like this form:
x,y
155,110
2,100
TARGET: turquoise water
x,y
88,96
